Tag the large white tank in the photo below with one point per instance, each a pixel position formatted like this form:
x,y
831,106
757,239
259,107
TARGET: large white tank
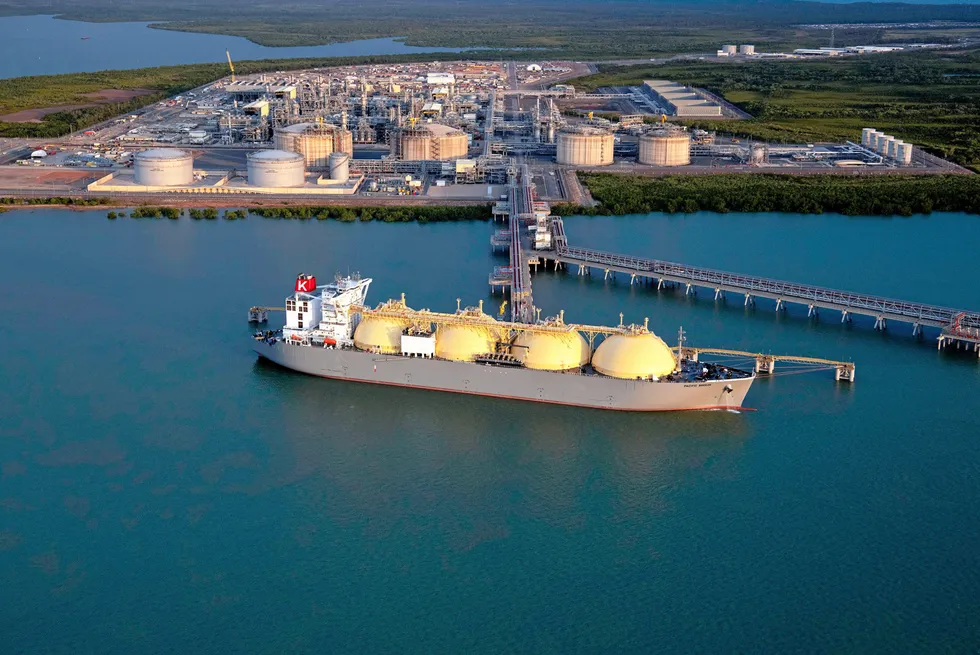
x,y
665,148
339,167
866,136
904,153
585,148
884,144
275,169
164,167
314,142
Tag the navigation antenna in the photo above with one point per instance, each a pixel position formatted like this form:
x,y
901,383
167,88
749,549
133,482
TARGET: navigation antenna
x,y
680,348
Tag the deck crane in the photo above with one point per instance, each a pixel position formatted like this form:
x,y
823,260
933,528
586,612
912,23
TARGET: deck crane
x,y
230,66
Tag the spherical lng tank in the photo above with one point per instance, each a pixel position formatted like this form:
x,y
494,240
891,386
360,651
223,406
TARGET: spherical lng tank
x,y
339,166
551,351
463,343
585,148
665,148
163,167
638,355
275,169
380,334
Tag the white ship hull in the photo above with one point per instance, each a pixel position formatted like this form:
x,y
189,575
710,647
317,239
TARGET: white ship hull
x,y
580,390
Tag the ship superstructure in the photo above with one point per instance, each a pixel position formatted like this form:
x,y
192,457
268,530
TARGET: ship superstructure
x,y
331,332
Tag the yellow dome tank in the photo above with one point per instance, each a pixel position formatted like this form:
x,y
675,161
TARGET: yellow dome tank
x,y
463,343
633,355
551,351
380,334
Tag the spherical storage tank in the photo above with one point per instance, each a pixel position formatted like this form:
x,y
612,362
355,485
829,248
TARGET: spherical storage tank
x,y
585,148
164,167
665,148
551,351
275,169
634,355
463,343
380,334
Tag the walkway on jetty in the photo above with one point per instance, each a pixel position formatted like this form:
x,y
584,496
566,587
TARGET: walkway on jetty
x,y
957,327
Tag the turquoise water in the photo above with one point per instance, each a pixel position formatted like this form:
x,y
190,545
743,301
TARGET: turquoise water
x,y
44,45
160,490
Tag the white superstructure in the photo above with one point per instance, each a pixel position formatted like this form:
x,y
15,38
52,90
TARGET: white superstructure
x,y
319,315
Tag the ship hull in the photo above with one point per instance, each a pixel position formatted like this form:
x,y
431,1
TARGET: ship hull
x,y
594,391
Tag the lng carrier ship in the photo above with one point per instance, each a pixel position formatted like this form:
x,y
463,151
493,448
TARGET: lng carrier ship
x,y
330,332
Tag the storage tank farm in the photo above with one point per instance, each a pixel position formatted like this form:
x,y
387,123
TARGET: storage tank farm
x,y
163,167
585,147
276,169
665,147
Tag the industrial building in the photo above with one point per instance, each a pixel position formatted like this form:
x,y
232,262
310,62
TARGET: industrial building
x,y
679,100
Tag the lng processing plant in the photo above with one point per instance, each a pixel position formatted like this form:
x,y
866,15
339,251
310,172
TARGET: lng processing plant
x,y
438,132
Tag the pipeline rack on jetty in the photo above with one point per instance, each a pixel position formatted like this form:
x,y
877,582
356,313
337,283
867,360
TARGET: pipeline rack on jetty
x,y
956,326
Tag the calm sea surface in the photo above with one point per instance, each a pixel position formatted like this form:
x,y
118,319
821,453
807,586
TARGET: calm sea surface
x,y
161,490
44,45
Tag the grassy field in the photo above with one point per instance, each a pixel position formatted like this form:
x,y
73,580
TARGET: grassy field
x,y
929,99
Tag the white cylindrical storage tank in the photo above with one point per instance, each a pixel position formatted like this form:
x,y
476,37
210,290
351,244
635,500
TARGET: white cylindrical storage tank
x,y
665,148
866,136
163,167
339,167
905,153
884,143
873,137
585,148
276,169
893,148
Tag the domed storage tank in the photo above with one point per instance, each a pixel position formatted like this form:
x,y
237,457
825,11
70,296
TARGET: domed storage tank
x,y
411,144
631,356
547,351
275,169
163,167
339,167
588,147
343,141
314,142
463,343
665,148
447,142
380,334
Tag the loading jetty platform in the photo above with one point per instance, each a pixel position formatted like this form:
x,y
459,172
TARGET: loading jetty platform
x,y
533,237
960,328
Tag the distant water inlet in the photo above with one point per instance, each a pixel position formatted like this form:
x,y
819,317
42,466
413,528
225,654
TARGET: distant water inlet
x,y
45,45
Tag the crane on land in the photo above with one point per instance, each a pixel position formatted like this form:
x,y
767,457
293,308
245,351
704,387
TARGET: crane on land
x,y
230,65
